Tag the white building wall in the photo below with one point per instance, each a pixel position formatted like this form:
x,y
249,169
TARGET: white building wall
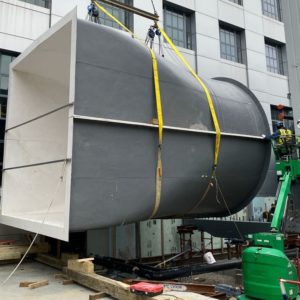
x,y
21,23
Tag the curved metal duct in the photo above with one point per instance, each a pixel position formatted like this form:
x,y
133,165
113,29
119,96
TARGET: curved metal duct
x,y
85,92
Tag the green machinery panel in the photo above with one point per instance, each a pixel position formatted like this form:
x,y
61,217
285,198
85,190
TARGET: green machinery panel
x,y
262,269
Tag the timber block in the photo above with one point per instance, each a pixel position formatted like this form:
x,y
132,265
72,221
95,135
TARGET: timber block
x,y
67,256
81,265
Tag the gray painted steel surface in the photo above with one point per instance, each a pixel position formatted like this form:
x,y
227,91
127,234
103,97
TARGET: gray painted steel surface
x,y
84,92
113,177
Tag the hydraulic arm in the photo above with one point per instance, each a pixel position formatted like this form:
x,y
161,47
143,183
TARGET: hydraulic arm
x,y
285,189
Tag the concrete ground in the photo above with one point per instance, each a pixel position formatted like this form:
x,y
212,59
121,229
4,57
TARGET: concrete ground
x,y
33,271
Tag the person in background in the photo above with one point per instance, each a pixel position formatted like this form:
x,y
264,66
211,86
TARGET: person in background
x,y
283,138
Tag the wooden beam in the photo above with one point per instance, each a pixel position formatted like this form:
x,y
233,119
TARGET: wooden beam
x,y
25,283
65,256
55,262
8,252
50,261
60,276
67,281
82,272
38,284
85,266
85,259
97,296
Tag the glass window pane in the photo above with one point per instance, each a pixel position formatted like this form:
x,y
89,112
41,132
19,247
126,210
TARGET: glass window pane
x,y
180,36
120,14
271,8
168,19
5,61
42,3
4,83
230,46
237,1
180,23
178,26
274,58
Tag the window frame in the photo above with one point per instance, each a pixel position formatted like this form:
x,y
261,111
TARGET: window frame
x,y
237,35
277,49
47,3
126,19
187,41
238,2
3,92
277,14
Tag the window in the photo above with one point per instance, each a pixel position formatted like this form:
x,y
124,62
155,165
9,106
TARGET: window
x,y
239,2
43,3
5,59
230,44
271,8
274,57
178,26
125,17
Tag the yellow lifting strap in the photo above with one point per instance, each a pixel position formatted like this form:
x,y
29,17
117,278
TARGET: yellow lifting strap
x,y
160,134
159,112
208,96
157,96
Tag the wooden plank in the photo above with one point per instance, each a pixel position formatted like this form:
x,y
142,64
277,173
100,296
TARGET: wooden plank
x,y
85,259
116,289
38,284
65,256
25,283
50,261
79,265
98,296
10,255
67,281
8,252
60,276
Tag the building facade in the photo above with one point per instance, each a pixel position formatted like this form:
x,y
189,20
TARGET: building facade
x,y
291,18
241,39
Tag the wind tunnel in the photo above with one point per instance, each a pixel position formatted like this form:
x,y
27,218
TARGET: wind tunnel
x,y
81,147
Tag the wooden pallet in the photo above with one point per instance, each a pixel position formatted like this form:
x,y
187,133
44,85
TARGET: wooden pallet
x,y
82,272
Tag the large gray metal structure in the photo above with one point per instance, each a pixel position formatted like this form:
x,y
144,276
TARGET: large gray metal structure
x,y
81,149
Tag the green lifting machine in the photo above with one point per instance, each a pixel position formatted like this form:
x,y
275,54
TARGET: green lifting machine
x,y
264,263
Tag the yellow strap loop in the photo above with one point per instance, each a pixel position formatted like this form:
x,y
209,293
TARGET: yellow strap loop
x,y
160,134
158,107
207,93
